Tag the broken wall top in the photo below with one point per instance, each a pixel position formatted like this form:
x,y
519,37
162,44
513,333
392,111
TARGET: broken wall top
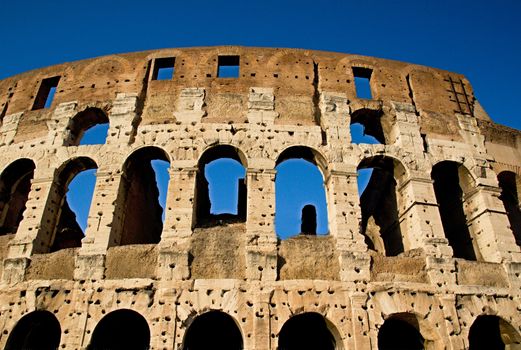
x,y
295,75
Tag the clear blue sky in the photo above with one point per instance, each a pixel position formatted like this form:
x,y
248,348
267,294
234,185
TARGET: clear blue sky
x,y
480,39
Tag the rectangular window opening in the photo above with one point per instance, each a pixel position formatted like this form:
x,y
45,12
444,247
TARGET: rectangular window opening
x,y
362,79
228,67
163,68
46,93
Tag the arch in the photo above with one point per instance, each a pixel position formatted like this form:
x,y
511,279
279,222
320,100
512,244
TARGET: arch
x,y
308,330
401,331
138,214
85,121
15,184
61,229
379,202
219,155
300,192
490,332
451,182
307,153
37,330
510,183
121,329
213,330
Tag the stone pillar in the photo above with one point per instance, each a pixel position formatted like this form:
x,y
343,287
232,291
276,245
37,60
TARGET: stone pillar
x,y
102,226
261,240
261,337
420,220
179,220
190,105
124,119
59,121
261,106
335,120
489,225
344,223
9,128
405,131
360,322
34,233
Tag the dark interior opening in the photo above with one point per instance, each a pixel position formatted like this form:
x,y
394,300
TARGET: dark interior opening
x,y
485,334
306,331
36,330
449,196
83,122
228,67
400,334
15,184
163,68
121,330
46,92
203,204
362,82
380,223
309,220
213,330
138,203
68,233
510,198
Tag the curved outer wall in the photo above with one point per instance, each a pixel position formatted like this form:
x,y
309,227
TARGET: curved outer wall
x,y
282,98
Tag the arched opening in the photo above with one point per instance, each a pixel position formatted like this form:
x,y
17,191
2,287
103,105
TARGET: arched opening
x,y
36,330
65,205
88,127
400,331
366,127
220,186
493,333
306,331
141,200
213,330
121,329
300,196
449,195
380,223
509,183
15,184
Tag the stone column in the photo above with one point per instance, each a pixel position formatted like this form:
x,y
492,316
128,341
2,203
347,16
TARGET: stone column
x,y
261,337
360,321
344,223
335,119
261,240
59,121
261,106
405,131
124,119
34,233
9,128
420,219
103,226
179,220
489,225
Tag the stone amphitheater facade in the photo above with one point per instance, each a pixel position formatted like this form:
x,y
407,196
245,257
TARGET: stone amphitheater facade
x,y
429,257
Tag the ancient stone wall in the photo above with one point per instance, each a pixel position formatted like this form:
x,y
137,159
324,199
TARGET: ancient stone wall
x,y
430,253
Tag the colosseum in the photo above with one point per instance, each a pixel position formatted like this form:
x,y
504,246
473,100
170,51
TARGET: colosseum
x,y
427,257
